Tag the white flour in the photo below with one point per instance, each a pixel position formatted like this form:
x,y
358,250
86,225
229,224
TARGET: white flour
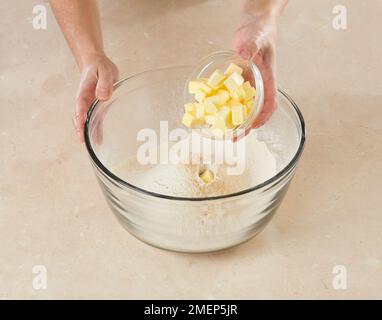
x,y
183,180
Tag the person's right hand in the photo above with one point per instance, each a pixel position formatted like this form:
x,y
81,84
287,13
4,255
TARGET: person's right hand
x,y
98,75
255,39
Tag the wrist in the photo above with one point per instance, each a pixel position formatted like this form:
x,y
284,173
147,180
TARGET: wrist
x,y
89,57
265,9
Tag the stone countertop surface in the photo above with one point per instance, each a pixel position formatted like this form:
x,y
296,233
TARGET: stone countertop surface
x,y
53,214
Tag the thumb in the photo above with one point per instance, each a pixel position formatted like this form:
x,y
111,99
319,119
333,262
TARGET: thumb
x,y
245,44
105,82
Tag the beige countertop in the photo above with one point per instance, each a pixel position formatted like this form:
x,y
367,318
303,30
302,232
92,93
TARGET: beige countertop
x,y
52,212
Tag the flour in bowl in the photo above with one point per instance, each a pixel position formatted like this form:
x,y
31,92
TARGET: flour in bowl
x,y
183,179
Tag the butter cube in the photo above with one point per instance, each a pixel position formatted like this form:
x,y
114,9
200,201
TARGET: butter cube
x,y
199,122
238,94
189,107
200,95
215,99
216,78
224,96
199,113
250,91
229,124
224,113
210,119
223,100
247,111
249,103
206,89
195,85
210,107
234,81
207,176
188,120
233,102
233,68
218,127
238,114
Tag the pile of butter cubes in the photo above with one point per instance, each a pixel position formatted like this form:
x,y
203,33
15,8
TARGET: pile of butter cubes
x,y
223,101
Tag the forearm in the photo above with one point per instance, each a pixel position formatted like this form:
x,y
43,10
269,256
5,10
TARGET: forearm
x,y
272,8
80,23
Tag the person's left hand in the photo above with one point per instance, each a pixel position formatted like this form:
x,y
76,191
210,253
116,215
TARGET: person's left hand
x,y
97,77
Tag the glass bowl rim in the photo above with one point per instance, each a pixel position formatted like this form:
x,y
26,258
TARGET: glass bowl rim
x,y
122,182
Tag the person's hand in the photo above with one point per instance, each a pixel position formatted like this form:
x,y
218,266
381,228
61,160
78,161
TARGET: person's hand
x,y
98,75
255,39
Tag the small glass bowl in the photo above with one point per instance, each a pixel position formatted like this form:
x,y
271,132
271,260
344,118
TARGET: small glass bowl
x,y
221,60
186,224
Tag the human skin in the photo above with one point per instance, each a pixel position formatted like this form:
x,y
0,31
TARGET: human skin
x,y
255,39
80,23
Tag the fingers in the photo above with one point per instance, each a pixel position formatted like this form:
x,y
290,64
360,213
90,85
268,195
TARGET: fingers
x,y
85,96
79,117
105,83
245,43
96,82
266,65
255,40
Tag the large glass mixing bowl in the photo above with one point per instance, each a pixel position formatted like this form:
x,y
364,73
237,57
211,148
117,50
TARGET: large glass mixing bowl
x,y
183,223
